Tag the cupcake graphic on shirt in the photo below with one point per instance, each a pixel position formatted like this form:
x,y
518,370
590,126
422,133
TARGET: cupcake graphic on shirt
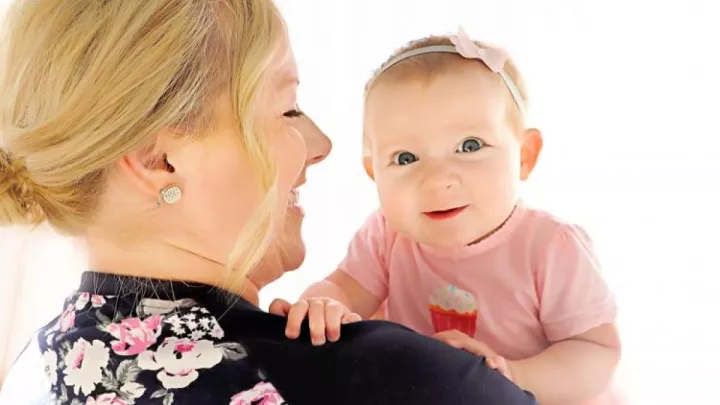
x,y
453,308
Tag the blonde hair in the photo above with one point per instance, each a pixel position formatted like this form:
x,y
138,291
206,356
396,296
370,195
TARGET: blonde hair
x,y
84,83
431,65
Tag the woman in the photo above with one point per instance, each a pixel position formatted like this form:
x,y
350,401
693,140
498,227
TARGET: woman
x,y
159,131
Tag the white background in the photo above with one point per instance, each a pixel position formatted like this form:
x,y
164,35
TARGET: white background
x,y
626,96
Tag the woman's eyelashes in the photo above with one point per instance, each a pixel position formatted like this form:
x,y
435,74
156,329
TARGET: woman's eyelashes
x,y
294,113
469,145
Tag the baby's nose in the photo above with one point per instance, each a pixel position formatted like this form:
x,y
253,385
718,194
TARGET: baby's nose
x,y
440,180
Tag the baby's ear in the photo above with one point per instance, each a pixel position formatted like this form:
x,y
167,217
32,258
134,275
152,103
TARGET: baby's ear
x,y
367,164
532,144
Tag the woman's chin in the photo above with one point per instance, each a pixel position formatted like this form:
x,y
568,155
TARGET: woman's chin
x,y
292,247
294,256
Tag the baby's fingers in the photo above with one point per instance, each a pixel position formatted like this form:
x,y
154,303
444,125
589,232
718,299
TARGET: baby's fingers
x,y
500,364
280,307
316,314
350,317
460,340
296,315
334,312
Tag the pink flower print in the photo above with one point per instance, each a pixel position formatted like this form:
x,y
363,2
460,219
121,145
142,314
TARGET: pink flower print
x,y
67,319
217,332
84,364
134,335
179,359
262,394
82,301
105,399
84,298
97,301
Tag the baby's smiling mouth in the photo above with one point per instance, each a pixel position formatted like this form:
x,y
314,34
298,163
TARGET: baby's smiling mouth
x,y
445,214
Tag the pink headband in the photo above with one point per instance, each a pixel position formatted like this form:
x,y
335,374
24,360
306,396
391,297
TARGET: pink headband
x,y
463,45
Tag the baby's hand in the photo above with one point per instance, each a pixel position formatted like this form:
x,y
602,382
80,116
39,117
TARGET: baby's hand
x,y
326,315
460,340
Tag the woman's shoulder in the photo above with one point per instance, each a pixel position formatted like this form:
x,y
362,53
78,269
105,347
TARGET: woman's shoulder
x,y
374,362
114,350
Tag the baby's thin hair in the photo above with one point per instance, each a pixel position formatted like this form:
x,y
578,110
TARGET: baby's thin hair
x,y
435,63
428,66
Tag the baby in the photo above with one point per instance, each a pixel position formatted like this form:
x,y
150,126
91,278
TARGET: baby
x,y
453,250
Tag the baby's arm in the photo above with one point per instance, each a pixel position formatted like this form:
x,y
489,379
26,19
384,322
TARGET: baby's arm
x,y
361,281
571,371
577,311
356,289
327,305
344,289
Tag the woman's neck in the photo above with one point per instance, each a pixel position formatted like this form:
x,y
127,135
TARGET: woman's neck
x,y
160,260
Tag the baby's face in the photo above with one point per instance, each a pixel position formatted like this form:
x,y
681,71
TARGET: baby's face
x,y
446,161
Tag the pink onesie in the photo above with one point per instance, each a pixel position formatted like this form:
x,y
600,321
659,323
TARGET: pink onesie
x,y
533,282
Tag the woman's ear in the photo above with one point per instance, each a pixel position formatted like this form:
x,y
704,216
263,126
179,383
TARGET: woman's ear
x,y
367,164
149,167
532,144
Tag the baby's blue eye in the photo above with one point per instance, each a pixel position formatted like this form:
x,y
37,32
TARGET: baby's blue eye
x,y
404,158
470,145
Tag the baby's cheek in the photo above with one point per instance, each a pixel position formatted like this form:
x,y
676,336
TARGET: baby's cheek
x,y
388,196
390,188
397,201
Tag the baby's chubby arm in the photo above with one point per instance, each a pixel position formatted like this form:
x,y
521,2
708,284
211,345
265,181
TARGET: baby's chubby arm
x,y
355,290
578,313
343,288
571,371
328,304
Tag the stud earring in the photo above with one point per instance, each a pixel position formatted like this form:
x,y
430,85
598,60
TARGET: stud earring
x,y
169,195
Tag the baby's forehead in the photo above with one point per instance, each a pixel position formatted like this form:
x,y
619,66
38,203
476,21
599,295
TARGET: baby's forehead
x,y
449,101
468,89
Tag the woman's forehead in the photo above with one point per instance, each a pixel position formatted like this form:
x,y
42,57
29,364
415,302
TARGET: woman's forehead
x,y
283,66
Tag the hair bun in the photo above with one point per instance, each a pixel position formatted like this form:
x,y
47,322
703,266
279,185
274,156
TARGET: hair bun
x,y
18,205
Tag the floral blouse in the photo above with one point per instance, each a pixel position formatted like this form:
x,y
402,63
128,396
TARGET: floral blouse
x,y
129,341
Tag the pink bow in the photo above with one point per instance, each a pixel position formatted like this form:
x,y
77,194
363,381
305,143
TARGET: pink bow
x,y
493,58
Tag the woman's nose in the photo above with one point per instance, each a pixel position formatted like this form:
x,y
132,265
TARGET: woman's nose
x,y
317,143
